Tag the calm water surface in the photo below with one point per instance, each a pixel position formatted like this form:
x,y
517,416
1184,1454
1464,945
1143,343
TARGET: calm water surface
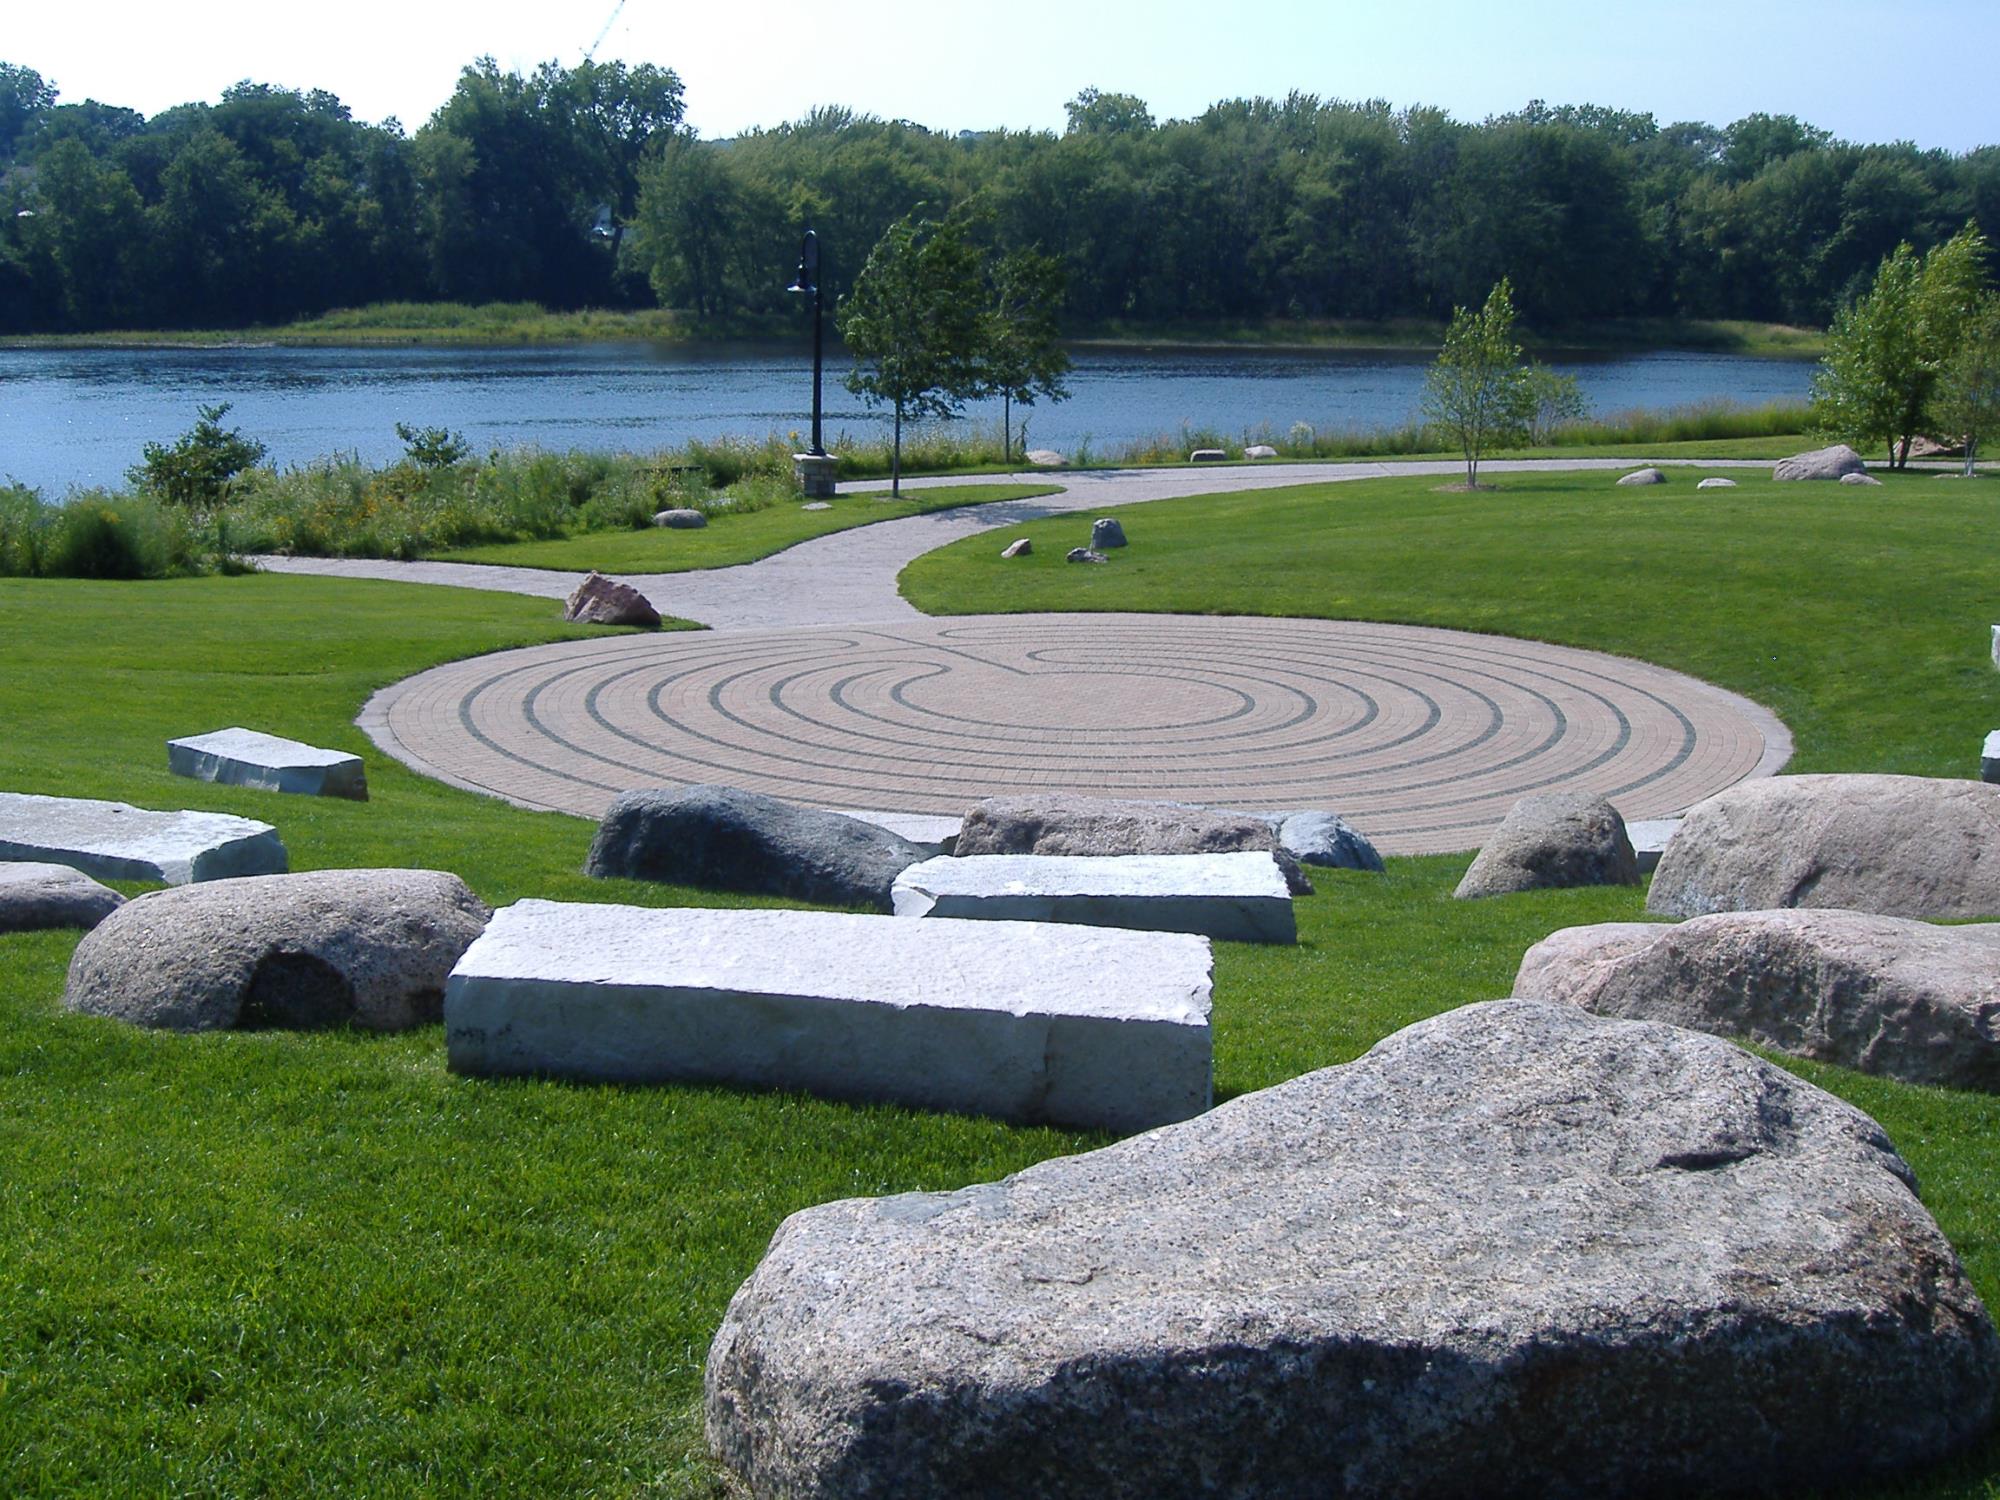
x,y
78,417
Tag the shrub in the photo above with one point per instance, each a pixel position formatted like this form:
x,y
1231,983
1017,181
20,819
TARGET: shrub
x,y
108,536
26,522
197,468
433,447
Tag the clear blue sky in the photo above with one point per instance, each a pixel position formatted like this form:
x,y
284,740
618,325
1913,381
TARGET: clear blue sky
x,y
1867,70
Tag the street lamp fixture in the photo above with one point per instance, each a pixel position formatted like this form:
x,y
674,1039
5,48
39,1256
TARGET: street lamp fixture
x,y
807,284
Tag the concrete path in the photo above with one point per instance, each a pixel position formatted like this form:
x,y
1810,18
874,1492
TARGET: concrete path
x,y
850,576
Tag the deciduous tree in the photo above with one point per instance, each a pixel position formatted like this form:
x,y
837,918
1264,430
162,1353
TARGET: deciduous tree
x,y
1887,348
1477,391
1020,357
1968,394
912,323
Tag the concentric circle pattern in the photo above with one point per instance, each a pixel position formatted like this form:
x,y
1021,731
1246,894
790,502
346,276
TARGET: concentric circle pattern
x,y
1422,738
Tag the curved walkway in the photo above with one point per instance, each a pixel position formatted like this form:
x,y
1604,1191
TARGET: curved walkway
x,y
820,685
849,577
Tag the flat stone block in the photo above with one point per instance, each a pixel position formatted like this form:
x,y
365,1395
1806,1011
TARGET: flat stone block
x,y
933,835
245,757
1989,758
1235,897
1649,839
1026,1021
115,842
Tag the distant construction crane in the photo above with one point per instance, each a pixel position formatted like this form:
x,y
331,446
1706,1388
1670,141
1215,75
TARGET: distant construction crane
x,y
590,52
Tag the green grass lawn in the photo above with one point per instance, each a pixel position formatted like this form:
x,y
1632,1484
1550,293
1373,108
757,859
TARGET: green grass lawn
x,y
319,1264
1859,615
731,539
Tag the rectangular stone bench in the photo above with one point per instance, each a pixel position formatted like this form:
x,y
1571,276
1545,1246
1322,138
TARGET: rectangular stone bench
x,y
1234,897
246,757
115,842
1025,1021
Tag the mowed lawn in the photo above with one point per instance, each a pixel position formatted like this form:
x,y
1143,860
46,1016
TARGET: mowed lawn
x,y
729,539
320,1264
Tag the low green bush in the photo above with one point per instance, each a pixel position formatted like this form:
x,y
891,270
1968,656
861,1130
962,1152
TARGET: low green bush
x,y
98,535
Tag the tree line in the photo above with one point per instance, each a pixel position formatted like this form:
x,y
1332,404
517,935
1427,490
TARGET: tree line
x,y
584,186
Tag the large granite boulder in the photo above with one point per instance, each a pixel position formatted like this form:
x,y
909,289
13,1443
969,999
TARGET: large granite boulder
x,y
35,895
1553,839
727,839
1643,476
1882,994
1516,1250
1106,533
1821,463
1905,846
604,601
367,948
1056,823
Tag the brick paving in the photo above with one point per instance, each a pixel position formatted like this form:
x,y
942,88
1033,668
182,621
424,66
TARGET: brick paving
x,y
1422,738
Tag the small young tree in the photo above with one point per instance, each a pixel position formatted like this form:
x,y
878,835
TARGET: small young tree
x,y
1886,349
1967,404
1477,391
913,325
1553,400
1019,356
198,467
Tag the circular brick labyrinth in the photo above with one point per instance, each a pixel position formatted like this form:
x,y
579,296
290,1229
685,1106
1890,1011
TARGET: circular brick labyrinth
x,y
1422,738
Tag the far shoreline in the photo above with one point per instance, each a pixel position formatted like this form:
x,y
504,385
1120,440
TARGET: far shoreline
x,y
516,325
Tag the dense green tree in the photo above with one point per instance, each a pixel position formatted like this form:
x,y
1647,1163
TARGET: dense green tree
x,y
691,226
913,325
1477,392
1551,400
1887,349
1020,358
25,99
1967,401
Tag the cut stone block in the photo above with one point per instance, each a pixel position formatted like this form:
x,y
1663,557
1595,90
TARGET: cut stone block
x,y
934,835
1027,1021
244,757
116,842
1236,897
1989,758
1649,838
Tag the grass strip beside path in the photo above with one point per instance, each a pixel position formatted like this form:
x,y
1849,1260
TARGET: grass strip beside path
x,y
728,540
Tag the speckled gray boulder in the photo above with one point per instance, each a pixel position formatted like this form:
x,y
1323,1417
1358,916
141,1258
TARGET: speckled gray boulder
x,y
1057,823
1905,846
367,948
1553,839
1106,533
35,895
681,519
1643,476
1821,463
1882,994
724,838
1516,1250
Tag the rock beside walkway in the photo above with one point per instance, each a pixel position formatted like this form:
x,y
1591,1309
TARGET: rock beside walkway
x,y
1643,476
1021,547
681,519
1882,994
724,838
1716,484
1106,533
367,948
1515,1250
1864,479
1904,846
1055,823
1324,838
1821,463
34,896
602,601
1549,840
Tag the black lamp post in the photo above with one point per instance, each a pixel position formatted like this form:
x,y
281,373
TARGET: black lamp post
x,y
808,284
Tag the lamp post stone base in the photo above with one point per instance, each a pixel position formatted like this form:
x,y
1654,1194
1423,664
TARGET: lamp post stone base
x,y
815,473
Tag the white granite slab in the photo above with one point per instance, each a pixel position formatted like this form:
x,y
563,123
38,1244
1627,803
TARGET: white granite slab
x,y
1649,838
1026,1021
1236,897
938,835
114,841
247,757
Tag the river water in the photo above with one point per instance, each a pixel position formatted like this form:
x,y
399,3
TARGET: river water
x,y
74,418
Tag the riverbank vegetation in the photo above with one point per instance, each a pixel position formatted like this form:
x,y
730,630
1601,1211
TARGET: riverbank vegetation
x,y
273,1262
575,188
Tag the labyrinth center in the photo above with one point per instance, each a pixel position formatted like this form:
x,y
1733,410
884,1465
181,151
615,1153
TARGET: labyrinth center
x,y
1421,738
